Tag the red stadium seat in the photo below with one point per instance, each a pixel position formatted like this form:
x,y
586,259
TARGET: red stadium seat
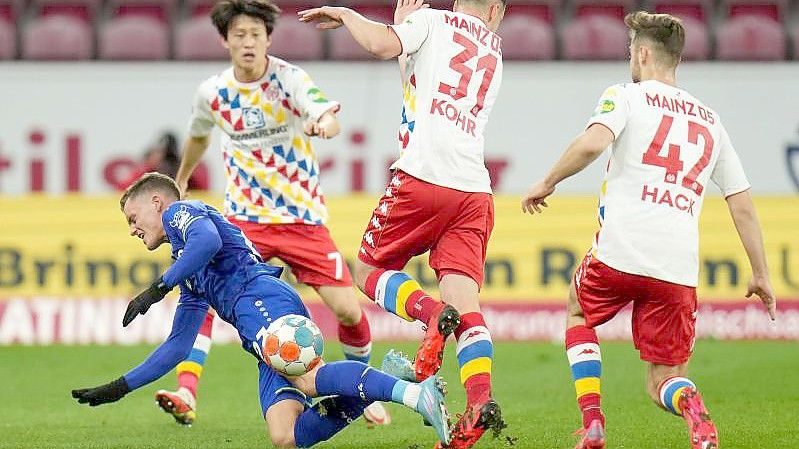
x,y
774,9
292,39
134,37
695,9
8,40
594,37
753,37
542,9
8,12
696,39
197,38
57,37
613,8
795,37
527,37
157,9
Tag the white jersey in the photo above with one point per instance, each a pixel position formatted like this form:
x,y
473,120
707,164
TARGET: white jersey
x,y
668,146
272,170
453,76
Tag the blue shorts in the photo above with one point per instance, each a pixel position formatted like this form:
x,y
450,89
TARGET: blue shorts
x,y
266,300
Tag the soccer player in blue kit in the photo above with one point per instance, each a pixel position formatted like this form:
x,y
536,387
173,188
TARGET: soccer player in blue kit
x,y
216,265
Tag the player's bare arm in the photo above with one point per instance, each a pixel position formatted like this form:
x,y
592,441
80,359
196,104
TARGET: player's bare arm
x,y
743,213
583,150
193,150
375,37
326,126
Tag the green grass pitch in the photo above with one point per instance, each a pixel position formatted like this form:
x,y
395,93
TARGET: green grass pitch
x,y
751,389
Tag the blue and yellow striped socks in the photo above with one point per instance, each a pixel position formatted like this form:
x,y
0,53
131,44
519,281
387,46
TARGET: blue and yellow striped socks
x,y
475,357
190,370
670,391
585,360
399,294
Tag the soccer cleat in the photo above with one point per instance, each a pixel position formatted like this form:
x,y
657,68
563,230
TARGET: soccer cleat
x,y
593,436
180,404
431,352
701,428
376,415
473,423
432,407
397,364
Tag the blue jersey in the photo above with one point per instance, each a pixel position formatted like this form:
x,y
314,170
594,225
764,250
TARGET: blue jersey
x,y
216,265
213,259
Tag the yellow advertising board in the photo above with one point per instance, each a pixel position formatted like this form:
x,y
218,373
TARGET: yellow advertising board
x,y
78,246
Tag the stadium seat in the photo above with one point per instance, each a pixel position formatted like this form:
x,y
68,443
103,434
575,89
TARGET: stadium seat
x,y
157,9
83,10
700,10
8,40
594,37
196,38
750,37
795,41
57,37
774,9
8,12
697,47
293,40
527,37
134,37
542,9
613,8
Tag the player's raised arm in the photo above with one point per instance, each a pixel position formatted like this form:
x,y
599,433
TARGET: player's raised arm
x,y
743,213
375,37
581,152
193,150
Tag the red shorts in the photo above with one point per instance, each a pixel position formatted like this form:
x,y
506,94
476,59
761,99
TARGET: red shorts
x,y
415,216
307,249
664,314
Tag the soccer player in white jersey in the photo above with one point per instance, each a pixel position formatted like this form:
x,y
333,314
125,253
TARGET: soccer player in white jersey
x,y
439,196
666,146
267,109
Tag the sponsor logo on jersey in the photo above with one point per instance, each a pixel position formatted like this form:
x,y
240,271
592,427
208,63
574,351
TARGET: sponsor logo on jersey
x,y
604,107
253,118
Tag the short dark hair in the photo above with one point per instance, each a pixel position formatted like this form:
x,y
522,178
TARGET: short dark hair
x,y
150,182
224,12
663,30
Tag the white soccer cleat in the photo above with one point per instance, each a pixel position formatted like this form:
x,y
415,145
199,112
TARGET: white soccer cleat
x,y
376,415
180,404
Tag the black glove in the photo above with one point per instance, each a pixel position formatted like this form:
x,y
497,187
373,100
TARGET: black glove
x,y
141,303
110,392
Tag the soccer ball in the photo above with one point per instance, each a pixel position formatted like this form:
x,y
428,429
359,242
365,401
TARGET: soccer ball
x,y
293,345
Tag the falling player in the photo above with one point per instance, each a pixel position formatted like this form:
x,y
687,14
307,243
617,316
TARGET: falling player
x,y
439,196
215,265
266,108
666,145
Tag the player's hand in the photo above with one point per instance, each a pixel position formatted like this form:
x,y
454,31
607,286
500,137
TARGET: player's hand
x,y
142,302
536,197
326,127
110,392
326,17
405,7
762,288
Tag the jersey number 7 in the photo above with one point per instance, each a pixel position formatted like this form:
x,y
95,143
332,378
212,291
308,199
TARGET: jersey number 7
x,y
487,63
672,162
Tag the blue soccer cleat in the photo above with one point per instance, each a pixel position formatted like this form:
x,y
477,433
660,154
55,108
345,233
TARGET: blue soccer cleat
x,y
432,407
398,365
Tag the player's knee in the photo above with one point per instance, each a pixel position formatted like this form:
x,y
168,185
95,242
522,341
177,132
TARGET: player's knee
x,y
283,438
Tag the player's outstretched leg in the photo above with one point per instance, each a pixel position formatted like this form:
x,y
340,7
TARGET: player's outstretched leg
x,y
182,404
399,294
326,418
358,380
475,354
679,395
585,360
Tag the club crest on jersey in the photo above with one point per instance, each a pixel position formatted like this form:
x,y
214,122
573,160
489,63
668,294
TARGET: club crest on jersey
x,y
180,219
253,118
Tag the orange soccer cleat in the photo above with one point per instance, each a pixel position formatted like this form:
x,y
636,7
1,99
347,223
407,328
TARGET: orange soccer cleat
x,y
431,352
593,436
701,428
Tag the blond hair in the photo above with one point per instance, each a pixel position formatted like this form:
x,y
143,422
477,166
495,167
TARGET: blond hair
x,y
664,31
149,182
